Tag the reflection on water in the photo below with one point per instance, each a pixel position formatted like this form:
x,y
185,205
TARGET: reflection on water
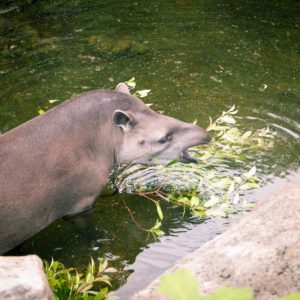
x,y
197,57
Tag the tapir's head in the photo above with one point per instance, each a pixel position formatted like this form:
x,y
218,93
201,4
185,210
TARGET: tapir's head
x,y
152,138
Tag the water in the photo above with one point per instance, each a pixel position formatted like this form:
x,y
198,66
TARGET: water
x,y
198,58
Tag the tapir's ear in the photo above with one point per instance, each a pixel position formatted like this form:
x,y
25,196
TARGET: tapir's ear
x,y
123,120
122,88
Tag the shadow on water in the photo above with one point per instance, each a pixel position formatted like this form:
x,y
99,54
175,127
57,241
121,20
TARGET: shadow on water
x,y
197,57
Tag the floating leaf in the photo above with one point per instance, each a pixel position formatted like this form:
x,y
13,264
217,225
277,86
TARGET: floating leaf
x,y
232,108
246,134
236,199
212,201
216,212
53,101
231,187
228,119
250,173
223,183
131,83
249,186
142,93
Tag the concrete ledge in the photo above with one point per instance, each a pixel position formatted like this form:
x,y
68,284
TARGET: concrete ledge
x,y
23,278
261,251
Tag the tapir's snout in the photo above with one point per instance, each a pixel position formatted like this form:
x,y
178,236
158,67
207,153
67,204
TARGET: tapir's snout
x,y
194,136
197,135
207,138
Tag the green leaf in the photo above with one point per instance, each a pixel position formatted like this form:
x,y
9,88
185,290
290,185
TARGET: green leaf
x,y
102,265
228,119
249,186
293,296
231,187
251,172
170,163
159,211
216,212
180,285
195,201
228,293
111,270
220,128
89,278
131,83
223,183
157,225
52,101
142,93
246,134
86,288
157,232
212,201
232,108
236,199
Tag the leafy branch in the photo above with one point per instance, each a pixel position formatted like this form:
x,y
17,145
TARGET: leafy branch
x,y
218,184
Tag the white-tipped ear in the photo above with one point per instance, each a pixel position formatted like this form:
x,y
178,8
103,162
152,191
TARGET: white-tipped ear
x,y
122,88
123,120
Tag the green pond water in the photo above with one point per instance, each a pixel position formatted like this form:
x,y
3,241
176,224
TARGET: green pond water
x,y
197,57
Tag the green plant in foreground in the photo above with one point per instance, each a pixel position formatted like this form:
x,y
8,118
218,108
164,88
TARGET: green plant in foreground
x,y
68,284
182,285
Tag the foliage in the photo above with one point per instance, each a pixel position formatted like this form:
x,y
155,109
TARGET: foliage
x,y
179,285
293,296
68,284
182,285
217,185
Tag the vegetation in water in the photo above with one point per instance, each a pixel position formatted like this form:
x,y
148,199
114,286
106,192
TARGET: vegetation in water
x,y
217,185
182,284
69,284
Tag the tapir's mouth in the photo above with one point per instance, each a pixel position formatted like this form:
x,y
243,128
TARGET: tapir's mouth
x,y
186,158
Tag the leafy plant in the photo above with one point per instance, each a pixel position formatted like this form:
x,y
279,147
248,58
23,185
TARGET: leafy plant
x,y
217,185
182,285
68,284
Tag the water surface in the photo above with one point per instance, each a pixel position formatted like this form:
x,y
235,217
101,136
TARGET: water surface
x,y
198,58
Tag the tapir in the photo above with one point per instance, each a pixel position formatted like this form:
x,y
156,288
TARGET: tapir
x,y
56,164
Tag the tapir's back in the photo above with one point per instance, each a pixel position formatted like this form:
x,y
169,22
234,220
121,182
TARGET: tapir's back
x,y
51,161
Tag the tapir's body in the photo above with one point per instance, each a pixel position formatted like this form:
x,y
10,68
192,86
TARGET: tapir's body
x,y
57,164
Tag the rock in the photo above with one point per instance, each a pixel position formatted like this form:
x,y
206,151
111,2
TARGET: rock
x,y
23,278
260,251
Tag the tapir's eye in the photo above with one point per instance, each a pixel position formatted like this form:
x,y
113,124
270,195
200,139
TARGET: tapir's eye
x,y
166,138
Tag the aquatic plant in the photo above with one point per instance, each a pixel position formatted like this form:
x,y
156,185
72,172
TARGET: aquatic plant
x,y
217,185
69,284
